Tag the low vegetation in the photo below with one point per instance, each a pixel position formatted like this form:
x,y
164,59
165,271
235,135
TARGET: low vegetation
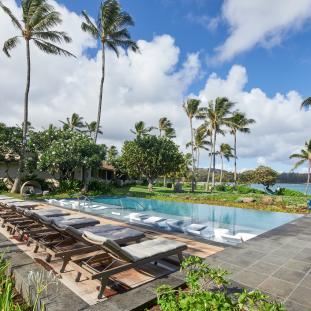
x,y
208,289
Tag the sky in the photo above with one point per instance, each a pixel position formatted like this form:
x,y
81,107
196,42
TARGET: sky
x,y
254,52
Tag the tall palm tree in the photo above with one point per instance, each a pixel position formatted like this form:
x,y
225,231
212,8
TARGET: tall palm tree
x,y
164,124
111,30
218,114
304,156
306,103
75,122
238,123
225,151
192,109
140,129
90,128
37,26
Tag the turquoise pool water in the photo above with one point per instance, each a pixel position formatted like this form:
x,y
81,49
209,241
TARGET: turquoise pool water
x,y
218,223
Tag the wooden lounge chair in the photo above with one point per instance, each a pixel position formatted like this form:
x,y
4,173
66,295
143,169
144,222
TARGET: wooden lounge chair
x,y
116,259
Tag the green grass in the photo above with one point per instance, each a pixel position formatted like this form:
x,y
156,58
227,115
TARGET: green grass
x,y
289,204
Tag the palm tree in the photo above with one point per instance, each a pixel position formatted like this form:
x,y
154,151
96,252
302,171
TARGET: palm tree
x,y
36,25
111,30
225,151
306,103
238,123
112,154
163,125
90,128
218,113
140,129
75,122
191,107
303,156
170,133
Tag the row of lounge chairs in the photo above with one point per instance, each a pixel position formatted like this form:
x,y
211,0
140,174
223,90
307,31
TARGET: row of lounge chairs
x,y
94,250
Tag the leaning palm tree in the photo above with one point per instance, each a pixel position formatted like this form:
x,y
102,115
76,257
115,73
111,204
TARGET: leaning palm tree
x,y
306,103
111,30
218,115
140,129
191,107
36,26
225,151
90,129
75,122
304,156
170,133
238,123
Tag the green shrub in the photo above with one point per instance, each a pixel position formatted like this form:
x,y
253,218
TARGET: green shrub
x,y
3,186
221,188
289,192
206,290
242,189
99,186
159,184
169,185
69,185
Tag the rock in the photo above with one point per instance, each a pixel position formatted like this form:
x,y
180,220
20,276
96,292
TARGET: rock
x,y
267,200
246,200
46,192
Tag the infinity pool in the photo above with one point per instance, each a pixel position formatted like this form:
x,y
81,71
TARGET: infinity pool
x,y
218,223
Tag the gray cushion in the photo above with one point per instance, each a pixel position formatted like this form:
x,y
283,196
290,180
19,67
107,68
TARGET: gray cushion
x,y
75,222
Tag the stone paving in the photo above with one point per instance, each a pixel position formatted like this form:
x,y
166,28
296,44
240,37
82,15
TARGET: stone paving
x,y
277,262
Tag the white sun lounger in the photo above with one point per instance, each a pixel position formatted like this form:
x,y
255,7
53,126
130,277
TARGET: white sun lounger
x,y
195,229
137,216
237,238
153,220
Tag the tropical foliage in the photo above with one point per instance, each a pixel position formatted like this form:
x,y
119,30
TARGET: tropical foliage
x,y
304,157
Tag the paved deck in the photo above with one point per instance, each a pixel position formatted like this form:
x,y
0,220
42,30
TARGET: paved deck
x,y
277,262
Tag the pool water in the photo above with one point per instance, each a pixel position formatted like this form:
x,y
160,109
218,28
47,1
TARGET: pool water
x,y
218,223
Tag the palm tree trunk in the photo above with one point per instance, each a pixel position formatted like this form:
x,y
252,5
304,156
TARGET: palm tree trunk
x,y
192,152
100,93
210,166
214,158
222,168
308,181
20,171
235,166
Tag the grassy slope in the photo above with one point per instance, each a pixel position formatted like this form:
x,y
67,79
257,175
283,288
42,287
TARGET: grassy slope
x,y
290,204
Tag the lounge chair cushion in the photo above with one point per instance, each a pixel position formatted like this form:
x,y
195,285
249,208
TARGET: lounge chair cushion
x,y
195,228
75,223
153,220
150,248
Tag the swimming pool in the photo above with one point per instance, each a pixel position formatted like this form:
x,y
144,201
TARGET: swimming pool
x,y
218,223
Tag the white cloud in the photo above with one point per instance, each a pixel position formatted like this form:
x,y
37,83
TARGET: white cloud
x,y
143,86
281,127
259,22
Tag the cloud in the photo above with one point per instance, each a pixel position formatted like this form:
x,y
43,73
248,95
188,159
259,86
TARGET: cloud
x,y
257,22
210,23
281,127
143,86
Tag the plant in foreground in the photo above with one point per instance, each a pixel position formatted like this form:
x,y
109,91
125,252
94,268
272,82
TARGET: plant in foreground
x,y
206,290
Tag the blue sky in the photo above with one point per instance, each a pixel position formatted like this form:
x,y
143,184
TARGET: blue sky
x,y
279,69
254,52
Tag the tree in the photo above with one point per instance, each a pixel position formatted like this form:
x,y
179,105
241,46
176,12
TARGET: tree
x,y
217,114
151,156
140,129
67,151
37,23
90,129
112,154
170,133
191,107
225,151
266,176
74,123
306,103
164,125
238,123
111,30
304,156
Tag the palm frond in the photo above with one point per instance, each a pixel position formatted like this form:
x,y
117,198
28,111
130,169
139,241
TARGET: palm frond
x,y
39,12
306,103
50,48
112,46
53,36
14,20
49,21
88,26
10,44
298,164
